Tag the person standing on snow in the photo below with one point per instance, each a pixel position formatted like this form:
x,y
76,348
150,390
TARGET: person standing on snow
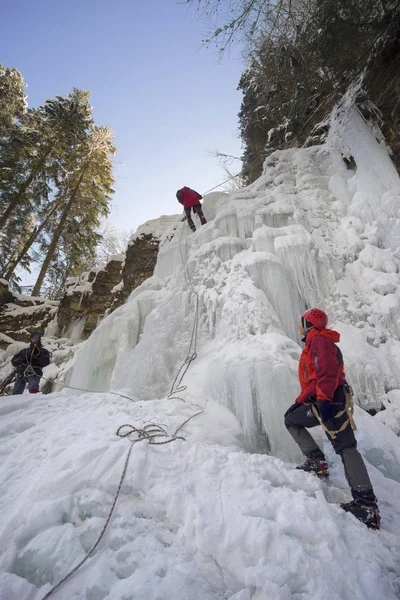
x,y
29,363
191,200
322,402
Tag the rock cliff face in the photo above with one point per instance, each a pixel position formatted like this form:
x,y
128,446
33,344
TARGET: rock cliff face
x,y
20,315
87,298
97,293
382,83
297,114
141,257
94,294
377,96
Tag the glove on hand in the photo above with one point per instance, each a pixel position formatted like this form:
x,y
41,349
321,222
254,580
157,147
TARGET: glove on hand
x,y
325,410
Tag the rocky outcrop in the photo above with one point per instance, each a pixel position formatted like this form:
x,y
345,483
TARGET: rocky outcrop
x,y
20,315
291,93
6,294
140,260
94,294
377,96
87,299
382,84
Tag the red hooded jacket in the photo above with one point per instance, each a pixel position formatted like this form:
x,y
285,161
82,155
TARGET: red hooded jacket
x,y
188,197
321,368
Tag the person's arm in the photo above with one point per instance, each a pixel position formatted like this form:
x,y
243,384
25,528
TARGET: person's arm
x,y
44,358
307,393
19,359
179,196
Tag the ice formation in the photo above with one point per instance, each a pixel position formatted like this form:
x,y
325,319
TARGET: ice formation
x,y
308,232
223,513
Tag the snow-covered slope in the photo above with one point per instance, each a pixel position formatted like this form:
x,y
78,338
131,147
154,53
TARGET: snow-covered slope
x,y
198,519
224,513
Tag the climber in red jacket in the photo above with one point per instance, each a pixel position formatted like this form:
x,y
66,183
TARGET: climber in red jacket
x,y
322,401
191,200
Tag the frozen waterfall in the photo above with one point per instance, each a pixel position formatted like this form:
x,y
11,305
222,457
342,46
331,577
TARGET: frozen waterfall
x,y
307,232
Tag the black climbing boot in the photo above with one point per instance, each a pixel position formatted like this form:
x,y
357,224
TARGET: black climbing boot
x,y
364,507
315,463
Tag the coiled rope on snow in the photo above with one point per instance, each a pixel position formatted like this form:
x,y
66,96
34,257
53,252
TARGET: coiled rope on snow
x,y
151,432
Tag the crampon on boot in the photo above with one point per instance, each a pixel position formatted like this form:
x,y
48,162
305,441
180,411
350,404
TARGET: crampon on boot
x,y
364,508
317,464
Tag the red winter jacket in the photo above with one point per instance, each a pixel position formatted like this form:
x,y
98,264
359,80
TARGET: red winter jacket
x,y
188,197
321,368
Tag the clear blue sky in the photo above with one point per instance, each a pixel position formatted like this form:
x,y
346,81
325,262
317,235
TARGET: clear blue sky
x,y
167,99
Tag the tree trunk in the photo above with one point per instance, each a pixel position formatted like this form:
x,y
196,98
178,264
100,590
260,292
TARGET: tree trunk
x,y
52,247
57,234
13,263
17,198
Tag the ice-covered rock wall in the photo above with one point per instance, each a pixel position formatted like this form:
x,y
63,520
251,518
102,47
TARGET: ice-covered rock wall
x,y
308,232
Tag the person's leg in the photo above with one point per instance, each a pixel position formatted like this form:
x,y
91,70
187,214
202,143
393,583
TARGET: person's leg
x,y
189,219
33,384
345,445
364,505
297,418
19,385
198,210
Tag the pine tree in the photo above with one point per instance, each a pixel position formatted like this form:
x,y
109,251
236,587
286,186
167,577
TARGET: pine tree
x,y
34,159
12,97
86,194
20,254
37,146
55,186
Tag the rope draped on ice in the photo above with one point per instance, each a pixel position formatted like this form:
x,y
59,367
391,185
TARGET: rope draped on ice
x,y
151,432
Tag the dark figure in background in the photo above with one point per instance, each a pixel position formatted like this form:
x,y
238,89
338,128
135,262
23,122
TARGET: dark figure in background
x,y
191,200
29,363
323,402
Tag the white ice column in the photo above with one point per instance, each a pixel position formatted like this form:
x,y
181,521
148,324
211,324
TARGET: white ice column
x,y
95,363
268,273
300,261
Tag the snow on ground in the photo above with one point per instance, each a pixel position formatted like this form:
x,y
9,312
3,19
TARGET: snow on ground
x,y
223,514
200,519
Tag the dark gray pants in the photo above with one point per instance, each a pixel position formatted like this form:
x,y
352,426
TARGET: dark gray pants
x,y
197,209
300,416
21,381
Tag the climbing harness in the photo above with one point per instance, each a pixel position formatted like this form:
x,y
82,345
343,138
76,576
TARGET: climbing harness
x,y
348,407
